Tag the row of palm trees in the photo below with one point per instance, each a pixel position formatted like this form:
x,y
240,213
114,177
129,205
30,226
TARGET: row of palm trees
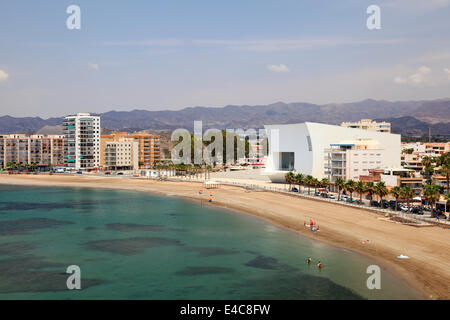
x,y
17,166
189,170
306,181
431,193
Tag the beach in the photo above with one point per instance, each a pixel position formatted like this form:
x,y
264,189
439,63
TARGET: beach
x,y
362,231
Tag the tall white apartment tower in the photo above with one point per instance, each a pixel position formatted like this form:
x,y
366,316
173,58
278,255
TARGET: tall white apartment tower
x,y
82,143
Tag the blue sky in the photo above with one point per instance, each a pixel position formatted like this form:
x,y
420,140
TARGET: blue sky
x,y
171,54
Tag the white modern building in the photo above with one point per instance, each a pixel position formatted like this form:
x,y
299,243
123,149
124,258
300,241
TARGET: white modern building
x,y
304,148
82,141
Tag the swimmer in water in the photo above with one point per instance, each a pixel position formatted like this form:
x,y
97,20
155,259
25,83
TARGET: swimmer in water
x,y
319,265
309,260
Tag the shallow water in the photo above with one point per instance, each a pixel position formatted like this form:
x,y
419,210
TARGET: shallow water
x,y
137,246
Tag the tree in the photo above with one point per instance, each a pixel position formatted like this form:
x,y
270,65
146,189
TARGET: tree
x,y
432,195
407,193
350,187
309,181
428,169
444,162
316,184
299,180
370,189
289,177
325,183
360,187
396,193
10,165
381,190
339,183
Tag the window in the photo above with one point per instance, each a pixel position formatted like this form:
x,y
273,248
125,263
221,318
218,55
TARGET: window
x,y
308,139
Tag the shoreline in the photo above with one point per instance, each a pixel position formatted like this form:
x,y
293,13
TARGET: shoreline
x,y
427,271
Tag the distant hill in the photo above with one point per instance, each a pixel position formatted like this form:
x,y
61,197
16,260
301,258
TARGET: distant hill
x,y
419,115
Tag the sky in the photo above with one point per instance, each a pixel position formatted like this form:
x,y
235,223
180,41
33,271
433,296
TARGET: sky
x,y
167,55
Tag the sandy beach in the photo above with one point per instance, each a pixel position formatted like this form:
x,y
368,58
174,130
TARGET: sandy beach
x,y
362,231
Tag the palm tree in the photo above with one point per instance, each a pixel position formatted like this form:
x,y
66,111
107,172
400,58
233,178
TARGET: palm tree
x,y
370,189
350,187
428,169
396,193
325,183
445,171
10,165
309,182
316,184
381,190
432,194
289,177
360,187
407,193
339,183
299,180
444,162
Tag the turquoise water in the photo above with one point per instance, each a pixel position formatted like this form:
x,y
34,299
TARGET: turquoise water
x,y
137,246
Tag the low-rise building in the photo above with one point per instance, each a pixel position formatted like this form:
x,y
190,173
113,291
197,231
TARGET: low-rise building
x,y
402,177
147,147
368,124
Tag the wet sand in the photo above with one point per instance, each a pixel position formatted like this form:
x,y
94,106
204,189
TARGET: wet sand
x,y
427,270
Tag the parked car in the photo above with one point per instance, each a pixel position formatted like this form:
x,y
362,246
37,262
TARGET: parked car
x,y
120,174
79,172
416,210
344,198
324,195
107,173
294,189
317,193
404,208
331,196
374,203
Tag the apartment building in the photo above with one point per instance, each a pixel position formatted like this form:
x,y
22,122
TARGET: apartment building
x,y
148,147
412,161
119,152
367,124
351,159
41,150
435,149
82,141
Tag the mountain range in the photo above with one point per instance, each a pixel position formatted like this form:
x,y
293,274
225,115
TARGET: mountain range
x,y
407,117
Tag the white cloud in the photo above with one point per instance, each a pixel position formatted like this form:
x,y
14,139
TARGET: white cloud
x,y
421,76
271,45
447,71
94,66
260,45
277,68
3,75
400,80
